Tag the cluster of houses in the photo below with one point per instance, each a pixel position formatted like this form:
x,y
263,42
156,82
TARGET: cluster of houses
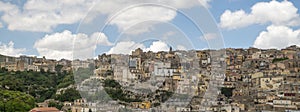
x,y
33,63
257,79
266,80
227,80
178,72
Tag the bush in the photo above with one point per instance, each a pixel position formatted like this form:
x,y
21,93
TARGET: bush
x,y
278,59
14,101
227,92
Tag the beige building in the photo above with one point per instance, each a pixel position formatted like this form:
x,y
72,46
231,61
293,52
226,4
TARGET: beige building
x,y
270,83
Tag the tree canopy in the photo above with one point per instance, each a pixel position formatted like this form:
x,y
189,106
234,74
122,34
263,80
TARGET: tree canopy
x,y
15,101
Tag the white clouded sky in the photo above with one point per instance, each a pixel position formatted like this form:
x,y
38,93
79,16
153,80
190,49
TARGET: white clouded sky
x,y
48,27
278,13
45,15
10,50
125,47
64,44
277,37
139,14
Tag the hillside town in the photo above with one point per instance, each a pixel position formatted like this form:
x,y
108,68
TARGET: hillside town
x,y
225,80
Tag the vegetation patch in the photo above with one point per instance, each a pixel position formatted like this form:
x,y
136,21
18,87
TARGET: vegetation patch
x,y
278,59
227,92
15,101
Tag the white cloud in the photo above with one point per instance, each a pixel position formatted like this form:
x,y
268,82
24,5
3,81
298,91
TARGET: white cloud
x,y
5,7
137,15
133,16
181,47
101,39
10,50
127,46
275,12
60,45
44,15
277,37
158,46
138,29
1,25
184,3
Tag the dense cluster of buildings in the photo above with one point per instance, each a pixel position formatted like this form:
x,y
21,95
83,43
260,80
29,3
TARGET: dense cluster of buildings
x,y
185,74
263,79
33,63
28,63
229,80
254,79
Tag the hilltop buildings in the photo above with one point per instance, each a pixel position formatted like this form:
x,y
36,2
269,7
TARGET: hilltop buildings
x,y
230,80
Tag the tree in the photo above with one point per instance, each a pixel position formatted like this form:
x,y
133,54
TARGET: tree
x,y
3,69
14,101
227,91
58,68
70,94
278,59
57,105
40,85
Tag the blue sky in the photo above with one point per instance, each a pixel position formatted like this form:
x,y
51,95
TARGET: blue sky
x,y
55,28
242,37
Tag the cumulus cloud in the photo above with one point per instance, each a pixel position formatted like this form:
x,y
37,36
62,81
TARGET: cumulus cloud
x,y
137,15
127,46
277,37
6,7
100,39
275,12
45,15
65,44
158,46
10,50
133,16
